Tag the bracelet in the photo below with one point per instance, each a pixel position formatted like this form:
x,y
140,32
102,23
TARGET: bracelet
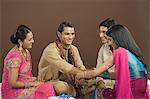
x,y
26,84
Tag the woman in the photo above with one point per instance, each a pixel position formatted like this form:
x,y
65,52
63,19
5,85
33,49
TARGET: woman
x,y
130,70
18,81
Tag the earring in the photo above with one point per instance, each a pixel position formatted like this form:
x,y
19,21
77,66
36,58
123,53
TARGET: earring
x,y
20,45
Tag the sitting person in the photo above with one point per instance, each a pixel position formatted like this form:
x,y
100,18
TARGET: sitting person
x,y
103,55
17,80
61,61
105,51
130,69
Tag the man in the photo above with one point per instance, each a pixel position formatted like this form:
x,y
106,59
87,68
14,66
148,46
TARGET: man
x,y
61,61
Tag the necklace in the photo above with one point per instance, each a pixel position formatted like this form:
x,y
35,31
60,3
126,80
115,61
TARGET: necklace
x,y
23,52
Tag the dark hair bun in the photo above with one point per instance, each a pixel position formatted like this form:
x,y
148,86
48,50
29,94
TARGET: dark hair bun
x,y
14,39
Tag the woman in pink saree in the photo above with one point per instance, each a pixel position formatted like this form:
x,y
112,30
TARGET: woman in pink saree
x,y
130,69
17,80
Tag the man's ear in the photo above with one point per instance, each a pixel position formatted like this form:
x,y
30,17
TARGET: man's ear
x,y
59,35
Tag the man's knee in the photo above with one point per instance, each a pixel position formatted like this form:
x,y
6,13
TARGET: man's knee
x,y
63,87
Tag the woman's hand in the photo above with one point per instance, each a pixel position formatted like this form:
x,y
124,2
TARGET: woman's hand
x,y
31,79
35,83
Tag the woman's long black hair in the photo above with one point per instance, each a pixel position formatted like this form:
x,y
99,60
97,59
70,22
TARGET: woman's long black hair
x,y
123,38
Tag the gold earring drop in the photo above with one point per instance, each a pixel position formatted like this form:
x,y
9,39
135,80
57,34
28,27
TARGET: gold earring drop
x,y
20,45
20,48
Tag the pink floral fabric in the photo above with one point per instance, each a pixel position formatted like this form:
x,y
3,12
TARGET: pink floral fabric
x,y
14,59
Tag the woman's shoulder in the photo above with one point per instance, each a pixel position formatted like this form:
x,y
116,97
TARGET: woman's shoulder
x,y
13,53
120,50
13,56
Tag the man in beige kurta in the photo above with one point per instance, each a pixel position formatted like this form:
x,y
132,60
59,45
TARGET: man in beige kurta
x,y
61,61
56,66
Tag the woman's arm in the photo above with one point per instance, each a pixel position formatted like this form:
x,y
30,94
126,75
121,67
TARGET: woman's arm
x,y
13,76
105,66
93,73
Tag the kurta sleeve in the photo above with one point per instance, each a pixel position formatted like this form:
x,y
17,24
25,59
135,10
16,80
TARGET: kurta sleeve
x,y
51,54
77,57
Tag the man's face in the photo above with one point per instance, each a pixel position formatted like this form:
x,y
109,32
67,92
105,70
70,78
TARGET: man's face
x,y
102,34
67,36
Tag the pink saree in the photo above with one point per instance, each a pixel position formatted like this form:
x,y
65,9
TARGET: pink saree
x,y
123,87
126,88
14,59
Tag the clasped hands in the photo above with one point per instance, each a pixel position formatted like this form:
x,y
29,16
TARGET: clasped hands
x,y
79,78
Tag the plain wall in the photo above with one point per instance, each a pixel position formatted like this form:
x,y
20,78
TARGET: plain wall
x,y
149,35
44,16
0,38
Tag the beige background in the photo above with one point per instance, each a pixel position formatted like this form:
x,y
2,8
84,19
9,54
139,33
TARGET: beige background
x,y
44,16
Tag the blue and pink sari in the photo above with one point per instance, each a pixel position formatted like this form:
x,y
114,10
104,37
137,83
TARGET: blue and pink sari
x,y
130,75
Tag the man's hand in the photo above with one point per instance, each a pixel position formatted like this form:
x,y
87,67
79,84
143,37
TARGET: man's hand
x,y
78,78
42,73
79,82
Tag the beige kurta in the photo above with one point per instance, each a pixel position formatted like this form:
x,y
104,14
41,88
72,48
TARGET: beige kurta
x,y
52,66
52,60
103,55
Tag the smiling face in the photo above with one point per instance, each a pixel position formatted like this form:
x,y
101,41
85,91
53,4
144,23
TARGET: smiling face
x,y
102,34
67,36
28,41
